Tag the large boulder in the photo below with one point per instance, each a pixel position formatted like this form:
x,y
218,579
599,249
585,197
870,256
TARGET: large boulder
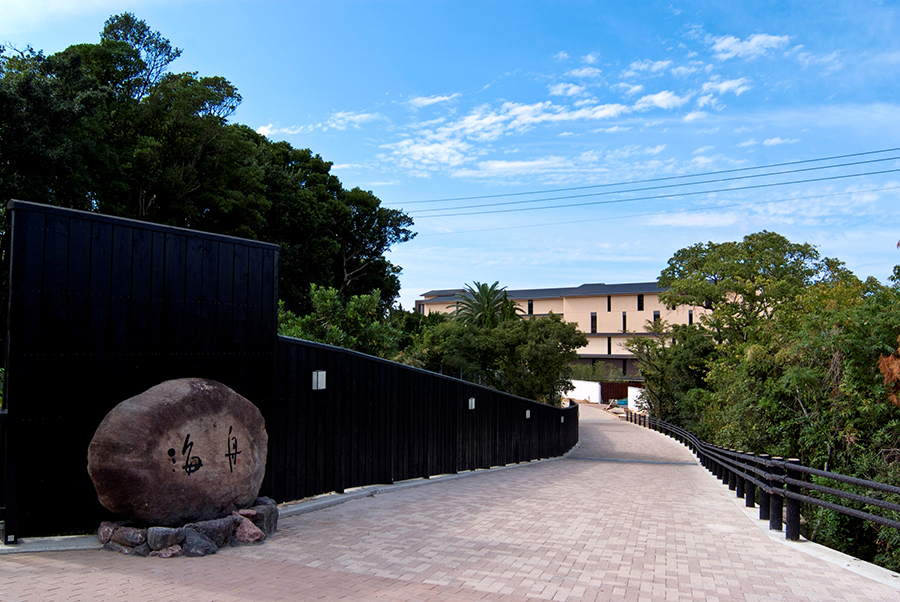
x,y
183,451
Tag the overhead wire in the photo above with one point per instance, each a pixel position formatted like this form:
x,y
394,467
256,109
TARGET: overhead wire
x,y
663,196
668,212
660,179
662,187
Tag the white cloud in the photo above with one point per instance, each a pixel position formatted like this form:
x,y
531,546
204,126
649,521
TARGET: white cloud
x,y
829,61
684,71
703,149
628,89
344,119
694,116
655,150
709,100
613,129
777,141
750,142
565,134
561,55
646,66
695,220
420,153
269,130
663,100
500,169
758,44
565,90
591,58
418,102
738,86
584,72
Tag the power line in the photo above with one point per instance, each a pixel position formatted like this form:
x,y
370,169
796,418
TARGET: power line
x,y
633,215
650,180
662,187
666,196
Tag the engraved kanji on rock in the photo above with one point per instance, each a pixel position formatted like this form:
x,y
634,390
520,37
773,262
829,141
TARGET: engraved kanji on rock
x,y
183,451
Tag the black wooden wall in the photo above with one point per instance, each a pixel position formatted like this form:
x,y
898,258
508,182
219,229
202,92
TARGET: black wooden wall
x,y
101,309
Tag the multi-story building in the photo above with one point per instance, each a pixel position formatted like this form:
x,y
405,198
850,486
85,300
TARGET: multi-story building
x,y
607,313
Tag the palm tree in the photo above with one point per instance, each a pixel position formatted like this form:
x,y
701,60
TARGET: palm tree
x,y
484,305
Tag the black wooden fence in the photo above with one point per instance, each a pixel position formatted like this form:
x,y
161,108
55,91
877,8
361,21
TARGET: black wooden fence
x,y
101,309
777,484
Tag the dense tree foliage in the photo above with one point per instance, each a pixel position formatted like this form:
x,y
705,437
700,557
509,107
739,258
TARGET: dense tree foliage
x,y
358,324
793,360
107,127
484,305
492,345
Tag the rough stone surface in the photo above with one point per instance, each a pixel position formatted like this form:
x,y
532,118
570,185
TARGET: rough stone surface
x,y
185,450
264,501
105,531
112,546
216,531
266,518
247,532
196,544
159,538
128,536
169,552
140,550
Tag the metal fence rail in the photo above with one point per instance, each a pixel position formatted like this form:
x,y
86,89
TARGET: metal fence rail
x,y
777,482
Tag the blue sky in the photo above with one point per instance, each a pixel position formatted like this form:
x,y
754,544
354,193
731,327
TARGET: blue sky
x,y
426,100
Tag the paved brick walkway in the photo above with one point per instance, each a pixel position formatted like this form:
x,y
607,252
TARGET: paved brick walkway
x,y
628,516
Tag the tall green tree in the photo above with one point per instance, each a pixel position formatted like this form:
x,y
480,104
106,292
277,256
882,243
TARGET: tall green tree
x,y
108,127
356,323
743,283
484,305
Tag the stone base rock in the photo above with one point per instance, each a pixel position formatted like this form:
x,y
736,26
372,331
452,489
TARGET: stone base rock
x,y
196,544
159,538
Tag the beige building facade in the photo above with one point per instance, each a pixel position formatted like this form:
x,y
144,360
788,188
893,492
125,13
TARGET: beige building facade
x,y
607,314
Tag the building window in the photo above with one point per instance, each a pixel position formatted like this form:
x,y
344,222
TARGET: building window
x,y
593,322
608,345
624,367
690,316
640,302
624,323
608,302
531,307
656,316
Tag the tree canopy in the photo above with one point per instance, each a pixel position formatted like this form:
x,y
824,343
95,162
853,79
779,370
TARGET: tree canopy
x,y
484,305
797,358
107,127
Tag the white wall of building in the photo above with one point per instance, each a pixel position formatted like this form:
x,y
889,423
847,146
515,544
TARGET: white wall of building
x,y
635,399
584,390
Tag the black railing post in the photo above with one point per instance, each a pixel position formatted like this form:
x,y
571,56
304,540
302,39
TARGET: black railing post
x,y
792,506
776,501
723,468
732,474
739,479
750,488
764,496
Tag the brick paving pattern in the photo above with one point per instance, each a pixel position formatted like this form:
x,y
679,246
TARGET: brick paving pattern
x,y
629,516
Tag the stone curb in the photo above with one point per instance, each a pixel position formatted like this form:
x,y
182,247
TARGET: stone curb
x,y
854,565
73,543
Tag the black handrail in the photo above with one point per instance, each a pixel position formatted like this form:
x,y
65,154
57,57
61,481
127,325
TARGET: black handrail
x,y
779,481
